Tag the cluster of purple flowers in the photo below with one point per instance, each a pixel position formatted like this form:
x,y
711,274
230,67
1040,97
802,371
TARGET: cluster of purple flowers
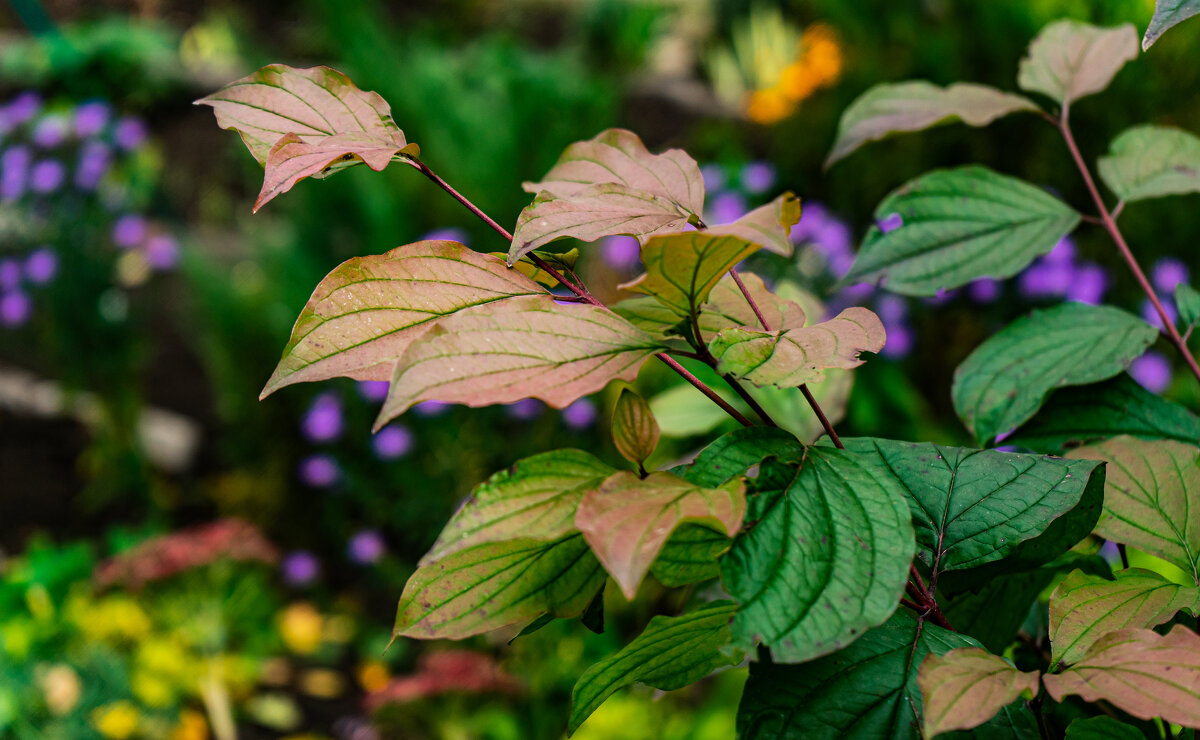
x,y
17,274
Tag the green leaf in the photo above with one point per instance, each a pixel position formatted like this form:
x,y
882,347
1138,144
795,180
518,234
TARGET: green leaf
x,y
1069,60
307,123
634,430
1102,728
1152,161
368,310
967,686
652,317
865,692
628,519
1187,300
1168,13
789,359
493,585
534,499
769,226
732,454
527,347
690,556
824,558
1152,495
959,225
672,652
680,414
1084,608
681,269
902,107
974,507
1003,383
1076,415
1140,672
728,308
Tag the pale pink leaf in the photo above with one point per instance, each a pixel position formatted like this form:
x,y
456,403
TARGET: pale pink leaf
x,y
966,687
728,308
1070,59
769,226
292,159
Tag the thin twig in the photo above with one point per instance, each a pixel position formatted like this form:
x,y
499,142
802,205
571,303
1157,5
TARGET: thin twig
x,y
816,407
733,273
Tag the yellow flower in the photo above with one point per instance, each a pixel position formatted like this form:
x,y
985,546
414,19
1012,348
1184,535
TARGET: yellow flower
x,y
192,726
373,676
118,720
301,625
151,690
768,106
113,618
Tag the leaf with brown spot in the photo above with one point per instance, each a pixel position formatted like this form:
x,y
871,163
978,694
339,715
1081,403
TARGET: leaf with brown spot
x,y
634,430
966,687
769,225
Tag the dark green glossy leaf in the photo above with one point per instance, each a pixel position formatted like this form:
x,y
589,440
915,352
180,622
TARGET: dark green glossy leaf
x,y
1102,728
734,453
690,556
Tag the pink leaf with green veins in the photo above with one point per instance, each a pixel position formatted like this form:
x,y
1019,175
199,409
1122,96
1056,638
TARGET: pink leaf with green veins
x,y
527,347
728,308
966,687
628,519
365,313
304,122
769,225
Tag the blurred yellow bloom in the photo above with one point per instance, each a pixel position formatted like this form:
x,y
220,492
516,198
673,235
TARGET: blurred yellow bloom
x,y
167,657
768,106
373,676
118,720
112,618
60,687
192,726
151,690
300,626
322,683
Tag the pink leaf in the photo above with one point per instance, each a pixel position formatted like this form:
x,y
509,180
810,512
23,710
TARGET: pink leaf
x,y
966,687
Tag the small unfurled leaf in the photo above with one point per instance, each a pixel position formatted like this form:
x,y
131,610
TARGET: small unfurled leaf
x,y
893,108
690,555
306,123
957,226
367,311
1187,301
1168,13
1084,608
769,225
967,686
534,499
1152,161
634,430
628,519
1139,671
1069,59
864,692
1003,383
672,652
1102,728
824,558
727,307
974,507
789,359
681,269
1077,415
1151,498
528,347
732,454
496,584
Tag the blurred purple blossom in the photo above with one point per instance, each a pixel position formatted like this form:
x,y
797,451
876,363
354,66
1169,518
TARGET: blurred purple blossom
x,y
323,420
50,132
580,415
890,222
1089,285
620,252
724,208
891,308
300,568
1063,252
373,390
1151,315
1168,273
714,177
1153,371
899,341
129,231
15,165
984,290
320,471
24,107
856,292
758,177
10,273
47,176
431,408
525,409
93,164
366,547
130,133
450,235
1046,278
391,442
41,265
91,118
15,308
162,251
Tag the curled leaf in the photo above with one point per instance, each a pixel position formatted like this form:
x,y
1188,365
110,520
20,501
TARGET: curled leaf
x,y
966,687
769,225
634,430
1069,59
727,307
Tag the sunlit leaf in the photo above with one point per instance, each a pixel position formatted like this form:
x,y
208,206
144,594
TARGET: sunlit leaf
x,y
306,123
901,107
534,499
681,269
1140,672
1083,608
1152,495
957,226
769,225
496,584
788,359
1069,59
1168,13
647,314
366,312
1152,161
672,652
634,430
864,692
1102,728
628,519
967,686
1003,383
974,507
727,307
824,557
528,347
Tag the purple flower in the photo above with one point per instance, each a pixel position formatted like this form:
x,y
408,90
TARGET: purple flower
x,y
449,235
130,133
93,164
714,177
392,442
580,415
162,252
47,176
15,169
890,222
892,309
525,409
50,132
1089,285
758,177
10,273
91,118
1153,371
942,296
1063,252
1110,552
320,471
24,107
1150,314
323,420
15,308
431,408
856,292
41,265
620,252
373,390
899,341
725,208
1168,273
984,290
1046,278
366,547
129,231
300,568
